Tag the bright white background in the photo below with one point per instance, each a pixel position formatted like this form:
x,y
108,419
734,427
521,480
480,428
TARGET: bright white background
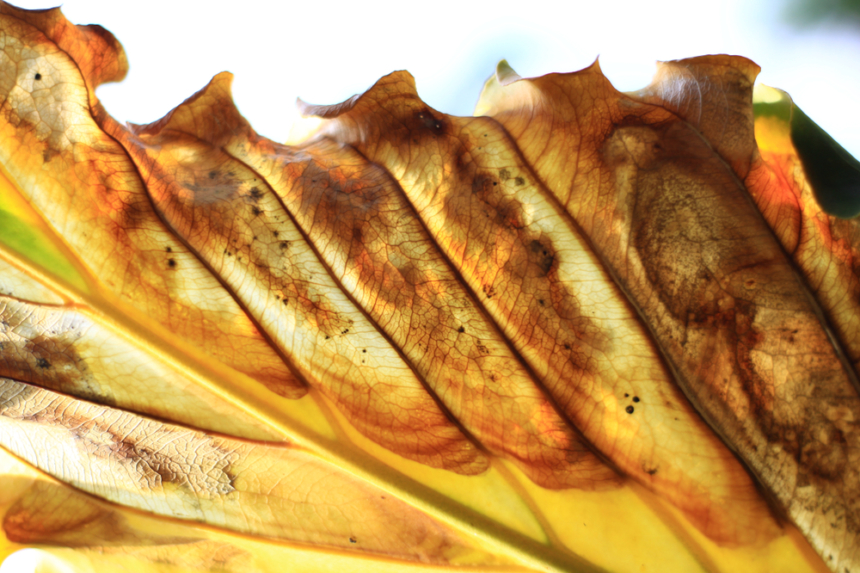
x,y
324,52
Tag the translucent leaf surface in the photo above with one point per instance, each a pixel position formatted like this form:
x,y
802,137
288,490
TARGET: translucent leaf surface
x,y
587,331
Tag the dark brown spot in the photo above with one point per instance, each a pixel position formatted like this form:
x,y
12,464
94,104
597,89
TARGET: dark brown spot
x,y
651,472
256,193
519,181
629,409
168,250
353,540
284,244
427,120
42,363
489,290
541,256
171,263
213,174
635,398
38,76
256,211
461,329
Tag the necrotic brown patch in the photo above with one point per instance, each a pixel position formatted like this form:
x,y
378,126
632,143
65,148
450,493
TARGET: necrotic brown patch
x,y
541,256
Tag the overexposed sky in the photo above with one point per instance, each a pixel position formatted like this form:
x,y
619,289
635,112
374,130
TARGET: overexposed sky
x,y
325,52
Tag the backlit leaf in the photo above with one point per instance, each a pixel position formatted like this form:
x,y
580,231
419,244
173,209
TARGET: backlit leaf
x,y
585,331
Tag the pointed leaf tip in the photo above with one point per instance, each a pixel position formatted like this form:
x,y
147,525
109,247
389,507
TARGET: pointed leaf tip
x,y
505,73
207,114
400,82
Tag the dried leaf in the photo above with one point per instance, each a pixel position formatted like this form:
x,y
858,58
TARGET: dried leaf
x,y
590,331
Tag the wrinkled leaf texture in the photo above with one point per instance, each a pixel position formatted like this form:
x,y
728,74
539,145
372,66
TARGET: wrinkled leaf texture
x,y
582,331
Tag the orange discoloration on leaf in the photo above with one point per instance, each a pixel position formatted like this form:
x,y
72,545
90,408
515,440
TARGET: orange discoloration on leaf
x,y
235,223
668,213
825,249
87,189
367,233
540,281
516,329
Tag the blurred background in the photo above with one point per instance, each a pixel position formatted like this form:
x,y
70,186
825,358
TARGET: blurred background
x,y
325,52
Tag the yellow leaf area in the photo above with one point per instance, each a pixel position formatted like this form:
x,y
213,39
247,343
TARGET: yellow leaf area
x,y
559,338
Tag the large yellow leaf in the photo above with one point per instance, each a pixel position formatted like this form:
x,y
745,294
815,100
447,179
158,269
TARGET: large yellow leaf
x,y
589,331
